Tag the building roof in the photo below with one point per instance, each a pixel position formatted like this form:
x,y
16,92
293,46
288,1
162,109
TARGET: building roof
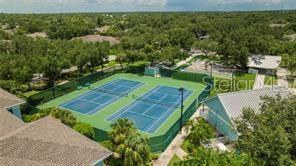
x,y
264,61
8,122
49,142
234,103
8,100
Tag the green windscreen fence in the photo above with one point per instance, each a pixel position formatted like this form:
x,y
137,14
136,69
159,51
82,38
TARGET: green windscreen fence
x,y
152,71
160,143
187,76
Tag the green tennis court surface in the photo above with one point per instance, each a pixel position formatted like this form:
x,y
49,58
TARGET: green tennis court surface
x,y
157,98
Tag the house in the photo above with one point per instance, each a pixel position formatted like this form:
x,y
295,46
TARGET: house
x,y
10,103
223,109
44,142
264,64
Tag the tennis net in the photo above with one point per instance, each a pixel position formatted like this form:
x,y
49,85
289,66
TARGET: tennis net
x,y
159,102
120,94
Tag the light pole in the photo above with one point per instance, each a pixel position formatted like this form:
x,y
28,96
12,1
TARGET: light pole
x,y
182,106
233,84
211,64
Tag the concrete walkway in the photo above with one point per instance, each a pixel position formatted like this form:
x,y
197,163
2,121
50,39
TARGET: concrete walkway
x,y
185,61
259,82
174,147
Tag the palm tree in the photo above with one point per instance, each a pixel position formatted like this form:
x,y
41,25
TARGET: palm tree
x,y
189,125
132,157
121,129
200,131
129,146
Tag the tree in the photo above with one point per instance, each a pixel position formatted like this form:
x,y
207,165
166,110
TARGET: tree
x,y
181,38
291,63
129,146
133,56
100,21
233,54
101,53
209,157
171,54
206,46
53,63
200,131
121,58
269,134
153,56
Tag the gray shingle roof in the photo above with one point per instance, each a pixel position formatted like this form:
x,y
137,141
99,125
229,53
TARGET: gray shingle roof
x,y
8,122
49,142
234,103
7,99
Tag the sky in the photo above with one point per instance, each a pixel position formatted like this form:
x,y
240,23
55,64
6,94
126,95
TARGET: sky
x,y
64,6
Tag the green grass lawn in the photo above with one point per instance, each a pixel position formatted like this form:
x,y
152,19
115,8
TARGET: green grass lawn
x,y
30,93
174,160
270,80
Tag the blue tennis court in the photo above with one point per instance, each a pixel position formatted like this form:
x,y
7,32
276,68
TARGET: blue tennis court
x,y
99,97
151,110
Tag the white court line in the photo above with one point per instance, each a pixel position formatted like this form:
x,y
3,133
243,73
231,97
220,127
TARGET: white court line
x,y
188,93
149,108
100,106
115,98
132,105
170,111
86,93
142,115
170,108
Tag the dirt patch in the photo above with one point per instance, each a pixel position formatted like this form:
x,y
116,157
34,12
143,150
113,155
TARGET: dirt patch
x,y
37,34
9,31
102,29
99,38
291,37
277,25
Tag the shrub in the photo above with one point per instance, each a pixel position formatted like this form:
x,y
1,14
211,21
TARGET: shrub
x,y
65,116
85,129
